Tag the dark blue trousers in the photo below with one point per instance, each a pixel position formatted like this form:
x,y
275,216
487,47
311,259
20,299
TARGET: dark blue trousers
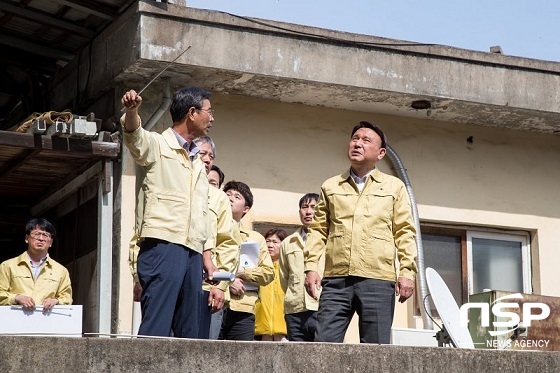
x,y
373,300
205,317
301,326
171,279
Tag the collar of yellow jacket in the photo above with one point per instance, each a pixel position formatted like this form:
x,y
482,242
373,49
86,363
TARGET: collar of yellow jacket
x,y
376,176
171,140
24,259
244,229
297,237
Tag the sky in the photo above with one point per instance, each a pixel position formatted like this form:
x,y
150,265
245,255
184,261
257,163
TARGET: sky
x,y
524,28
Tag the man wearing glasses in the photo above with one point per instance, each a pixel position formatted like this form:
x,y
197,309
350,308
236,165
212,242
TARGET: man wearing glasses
x,y
172,223
34,278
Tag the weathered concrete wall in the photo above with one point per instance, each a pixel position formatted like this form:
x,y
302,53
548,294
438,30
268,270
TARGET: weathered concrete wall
x,y
333,58
34,354
294,63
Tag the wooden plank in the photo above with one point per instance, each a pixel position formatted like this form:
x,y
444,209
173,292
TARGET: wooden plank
x,y
42,17
62,144
60,193
16,162
107,181
99,10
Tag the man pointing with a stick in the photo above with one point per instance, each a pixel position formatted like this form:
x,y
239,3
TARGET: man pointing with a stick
x,y
172,223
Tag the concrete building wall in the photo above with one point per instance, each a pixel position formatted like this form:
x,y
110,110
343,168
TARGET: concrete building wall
x,y
24,354
502,179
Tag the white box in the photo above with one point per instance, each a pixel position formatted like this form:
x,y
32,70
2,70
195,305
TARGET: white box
x,y
413,337
61,321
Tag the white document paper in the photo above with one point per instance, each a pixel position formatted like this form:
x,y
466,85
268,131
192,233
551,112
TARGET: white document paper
x,y
249,257
250,252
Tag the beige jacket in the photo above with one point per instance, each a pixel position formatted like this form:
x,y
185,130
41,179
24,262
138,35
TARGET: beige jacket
x,y
261,275
225,238
173,200
363,234
225,245
292,275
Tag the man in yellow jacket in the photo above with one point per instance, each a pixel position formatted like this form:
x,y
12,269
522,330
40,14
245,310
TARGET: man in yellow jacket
x,y
172,213
34,278
363,223
222,247
299,307
239,318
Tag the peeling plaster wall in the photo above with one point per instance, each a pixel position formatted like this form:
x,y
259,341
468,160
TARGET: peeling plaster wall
x,y
330,69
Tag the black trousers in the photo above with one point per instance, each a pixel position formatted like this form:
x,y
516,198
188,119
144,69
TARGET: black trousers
x,y
237,326
301,326
373,300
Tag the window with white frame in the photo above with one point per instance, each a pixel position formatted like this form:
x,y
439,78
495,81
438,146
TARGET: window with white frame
x,y
470,261
498,262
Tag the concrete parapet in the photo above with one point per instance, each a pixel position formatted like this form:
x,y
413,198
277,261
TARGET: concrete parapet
x,y
29,354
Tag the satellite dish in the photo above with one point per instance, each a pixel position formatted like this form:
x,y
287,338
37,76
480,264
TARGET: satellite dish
x,y
448,311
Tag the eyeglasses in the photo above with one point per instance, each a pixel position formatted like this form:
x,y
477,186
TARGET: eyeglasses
x,y
37,235
208,111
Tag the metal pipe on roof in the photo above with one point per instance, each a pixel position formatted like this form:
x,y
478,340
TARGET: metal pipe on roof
x,y
421,284
163,107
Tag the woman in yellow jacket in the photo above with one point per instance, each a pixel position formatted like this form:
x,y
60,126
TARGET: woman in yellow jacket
x,y
269,309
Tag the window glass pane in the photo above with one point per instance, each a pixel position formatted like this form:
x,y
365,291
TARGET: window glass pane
x,y
443,253
497,265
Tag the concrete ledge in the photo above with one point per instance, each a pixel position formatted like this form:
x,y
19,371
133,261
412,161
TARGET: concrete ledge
x,y
25,354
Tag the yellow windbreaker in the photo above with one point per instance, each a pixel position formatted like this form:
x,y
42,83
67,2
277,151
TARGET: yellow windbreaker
x,y
16,278
292,275
269,309
363,234
224,239
261,275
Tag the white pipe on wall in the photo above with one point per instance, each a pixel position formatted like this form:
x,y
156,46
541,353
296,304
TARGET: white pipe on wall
x,y
105,249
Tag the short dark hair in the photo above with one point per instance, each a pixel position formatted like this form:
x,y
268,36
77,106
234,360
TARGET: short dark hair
x,y
308,197
40,223
276,231
241,188
221,175
184,99
371,126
